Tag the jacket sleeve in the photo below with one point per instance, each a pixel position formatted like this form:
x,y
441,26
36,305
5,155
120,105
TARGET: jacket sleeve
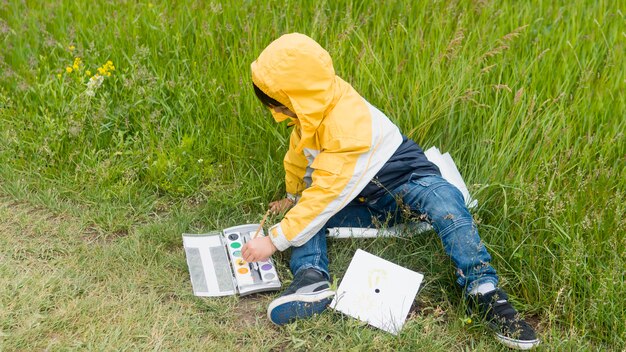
x,y
335,182
295,165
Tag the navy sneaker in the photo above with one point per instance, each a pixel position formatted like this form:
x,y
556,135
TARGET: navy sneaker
x,y
308,294
511,330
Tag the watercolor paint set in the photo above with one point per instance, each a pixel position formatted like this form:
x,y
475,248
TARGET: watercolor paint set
x,y
217,268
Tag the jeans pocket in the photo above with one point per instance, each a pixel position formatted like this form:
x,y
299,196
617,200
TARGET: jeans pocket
x,y
422,181
426,180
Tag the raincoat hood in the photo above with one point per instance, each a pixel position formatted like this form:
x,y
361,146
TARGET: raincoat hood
x,y
297,72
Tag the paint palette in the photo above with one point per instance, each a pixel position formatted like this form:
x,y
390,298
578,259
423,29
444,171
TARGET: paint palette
x,y
217,268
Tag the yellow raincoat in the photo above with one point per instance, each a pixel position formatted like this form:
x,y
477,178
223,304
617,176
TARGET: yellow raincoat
x,y
339,141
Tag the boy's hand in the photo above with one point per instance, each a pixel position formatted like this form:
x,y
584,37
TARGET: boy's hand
x,y
258,249
280,206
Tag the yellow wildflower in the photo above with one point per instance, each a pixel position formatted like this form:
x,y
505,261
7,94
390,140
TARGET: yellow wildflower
x,y
88,73
71,47
105,70
58,75
68,69
466,320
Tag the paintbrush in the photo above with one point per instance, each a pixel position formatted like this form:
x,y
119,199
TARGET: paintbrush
x,y
261,224
256,233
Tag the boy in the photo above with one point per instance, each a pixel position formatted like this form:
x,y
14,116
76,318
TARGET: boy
x,y
349,165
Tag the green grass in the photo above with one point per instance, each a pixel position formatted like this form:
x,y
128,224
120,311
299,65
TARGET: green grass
x,y
528,97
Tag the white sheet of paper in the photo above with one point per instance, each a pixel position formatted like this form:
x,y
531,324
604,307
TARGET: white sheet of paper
x,y
393,231
377,291
450,172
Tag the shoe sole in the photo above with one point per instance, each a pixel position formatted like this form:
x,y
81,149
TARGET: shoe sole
x,y
287,309
516,344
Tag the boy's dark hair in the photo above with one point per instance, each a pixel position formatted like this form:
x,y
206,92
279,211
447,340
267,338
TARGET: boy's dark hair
x,y
264,98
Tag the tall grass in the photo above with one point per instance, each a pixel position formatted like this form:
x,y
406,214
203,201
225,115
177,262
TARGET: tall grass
x,y
527,97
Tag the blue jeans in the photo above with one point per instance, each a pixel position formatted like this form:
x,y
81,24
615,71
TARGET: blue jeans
x,y
431,197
